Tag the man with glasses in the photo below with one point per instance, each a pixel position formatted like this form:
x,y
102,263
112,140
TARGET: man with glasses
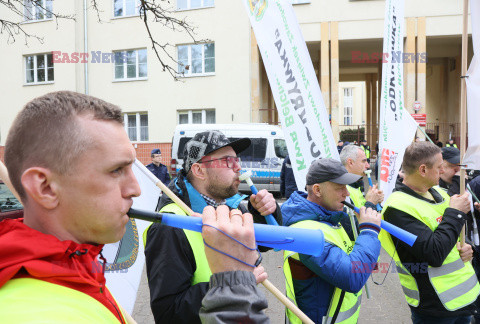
x,y
177,268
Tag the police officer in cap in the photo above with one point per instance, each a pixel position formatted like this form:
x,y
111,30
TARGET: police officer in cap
x,y
157,168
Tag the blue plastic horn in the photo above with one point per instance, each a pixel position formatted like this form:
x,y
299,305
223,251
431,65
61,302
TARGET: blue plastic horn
x,y
300,240
246,177
396,231
370,183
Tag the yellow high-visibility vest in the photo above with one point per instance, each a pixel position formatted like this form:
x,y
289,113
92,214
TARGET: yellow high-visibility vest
x,y
350,308
195,239
455,282
29,300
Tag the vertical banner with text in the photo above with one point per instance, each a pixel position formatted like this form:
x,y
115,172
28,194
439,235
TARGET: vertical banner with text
x,y
397,127
294,84
472,155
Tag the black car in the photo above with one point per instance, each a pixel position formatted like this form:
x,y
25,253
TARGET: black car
x,y
10,207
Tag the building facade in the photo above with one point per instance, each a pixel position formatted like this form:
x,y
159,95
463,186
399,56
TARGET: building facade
x,y
222,78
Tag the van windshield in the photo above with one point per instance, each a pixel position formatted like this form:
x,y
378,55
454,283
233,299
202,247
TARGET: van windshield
x,y
8,200
280,148
255,152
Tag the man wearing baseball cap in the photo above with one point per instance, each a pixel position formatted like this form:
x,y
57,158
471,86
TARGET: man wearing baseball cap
x,y
177,268
450,179
328,287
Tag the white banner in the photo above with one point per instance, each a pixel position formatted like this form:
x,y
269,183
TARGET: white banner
x,y
126,258
472,155
397,127
294,85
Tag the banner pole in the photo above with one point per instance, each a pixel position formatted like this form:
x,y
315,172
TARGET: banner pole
x,y
424,133
463,105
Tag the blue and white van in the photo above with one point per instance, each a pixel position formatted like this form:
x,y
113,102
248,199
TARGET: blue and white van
x,y
264,157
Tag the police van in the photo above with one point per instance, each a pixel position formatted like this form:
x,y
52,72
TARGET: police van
x,y
264,157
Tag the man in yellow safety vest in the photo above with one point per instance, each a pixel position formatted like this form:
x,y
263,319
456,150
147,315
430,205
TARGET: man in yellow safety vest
x,y
70,160
354,160
439,285
366,149
328,287
177,269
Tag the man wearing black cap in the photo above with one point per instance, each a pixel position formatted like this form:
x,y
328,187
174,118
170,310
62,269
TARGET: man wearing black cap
x,y
450,180
177,268
157,168
328,287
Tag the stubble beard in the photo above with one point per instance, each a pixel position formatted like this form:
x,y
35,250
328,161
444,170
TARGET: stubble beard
x,y
217,191
223,192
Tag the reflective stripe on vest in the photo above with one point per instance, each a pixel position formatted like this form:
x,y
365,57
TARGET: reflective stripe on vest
x,y
202,269
356,196
28,300
344,316
454,282
409,287
350,307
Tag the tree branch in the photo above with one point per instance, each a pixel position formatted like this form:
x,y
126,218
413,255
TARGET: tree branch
x,y
150,11
14,27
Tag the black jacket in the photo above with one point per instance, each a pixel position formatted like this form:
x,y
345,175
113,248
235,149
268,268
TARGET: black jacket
x,y
171,265
431,248
288,185
454,189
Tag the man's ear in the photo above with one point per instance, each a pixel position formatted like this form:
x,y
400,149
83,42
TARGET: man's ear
x,y
316,190
422,169
198,171
40,186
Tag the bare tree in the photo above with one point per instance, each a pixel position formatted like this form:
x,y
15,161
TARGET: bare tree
x,y
167,18
21,11
151,12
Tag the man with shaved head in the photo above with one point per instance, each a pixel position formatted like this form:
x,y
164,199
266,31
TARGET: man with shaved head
x,y
70,160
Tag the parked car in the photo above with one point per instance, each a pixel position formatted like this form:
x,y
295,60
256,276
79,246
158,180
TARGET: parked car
x,y
10,207
264,157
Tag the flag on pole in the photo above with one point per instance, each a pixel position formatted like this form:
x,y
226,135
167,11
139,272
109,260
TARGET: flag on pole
x,y
472,154
294,84
126,258
397,127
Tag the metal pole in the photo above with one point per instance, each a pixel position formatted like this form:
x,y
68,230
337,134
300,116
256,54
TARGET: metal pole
x,y
463,105
85,44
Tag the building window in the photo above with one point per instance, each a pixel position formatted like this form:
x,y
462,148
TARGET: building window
x,y
348,106
126,8
136,125
194,4
37,10
203,116
39,69
131,65
196,59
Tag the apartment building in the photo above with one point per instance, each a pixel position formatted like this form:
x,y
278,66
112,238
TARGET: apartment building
x,y
222,79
